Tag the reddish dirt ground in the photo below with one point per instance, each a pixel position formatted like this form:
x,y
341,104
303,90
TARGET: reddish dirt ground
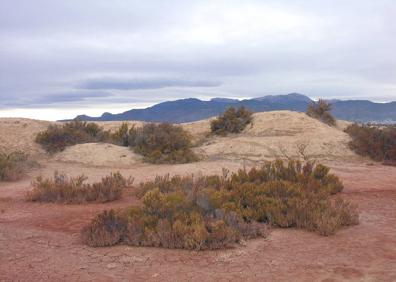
x,y
41,241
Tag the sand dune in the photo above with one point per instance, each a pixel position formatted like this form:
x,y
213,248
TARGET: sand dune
x,y
272,134
276,134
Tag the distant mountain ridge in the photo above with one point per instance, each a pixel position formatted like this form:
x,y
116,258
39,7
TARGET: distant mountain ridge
x,y
192,109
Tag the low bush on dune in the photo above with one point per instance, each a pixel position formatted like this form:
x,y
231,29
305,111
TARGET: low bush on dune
x,y
231,121
158,143
162,143
57,137
13,165
378,143
74,190
210,212
321,110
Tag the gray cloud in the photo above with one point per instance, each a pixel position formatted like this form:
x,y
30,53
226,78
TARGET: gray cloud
x,y
140,84
53,98
51,51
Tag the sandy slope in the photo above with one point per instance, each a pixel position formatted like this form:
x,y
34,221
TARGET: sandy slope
x,y
272,134
19,134
99,154
277,134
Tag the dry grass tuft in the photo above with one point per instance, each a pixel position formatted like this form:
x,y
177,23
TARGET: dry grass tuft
x,y
14,165
74,190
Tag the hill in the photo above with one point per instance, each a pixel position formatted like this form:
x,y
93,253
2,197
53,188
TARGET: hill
x,y
271,135
191,109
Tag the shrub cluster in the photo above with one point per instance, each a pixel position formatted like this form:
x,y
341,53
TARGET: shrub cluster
x,y
162,143
231,121
74,190
379,143
158,143
58,137
321,110
13,165
210,212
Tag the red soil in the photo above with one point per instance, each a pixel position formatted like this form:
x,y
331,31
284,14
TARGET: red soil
x,y
41,242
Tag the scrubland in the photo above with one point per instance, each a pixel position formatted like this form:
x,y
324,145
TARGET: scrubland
x,y
108,200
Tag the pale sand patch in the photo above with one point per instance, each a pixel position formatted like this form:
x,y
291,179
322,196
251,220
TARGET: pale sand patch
x,y
99,154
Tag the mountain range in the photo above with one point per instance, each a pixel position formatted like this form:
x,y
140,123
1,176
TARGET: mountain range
x,y
191,109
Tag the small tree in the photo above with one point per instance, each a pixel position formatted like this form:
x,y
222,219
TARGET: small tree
x,y
231,121
321,110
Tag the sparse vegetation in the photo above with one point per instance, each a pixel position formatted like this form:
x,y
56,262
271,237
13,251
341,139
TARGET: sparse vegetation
x,y
321,110
158,143
211,212
379,143
13,165
58,137
231,121
162,143
74,190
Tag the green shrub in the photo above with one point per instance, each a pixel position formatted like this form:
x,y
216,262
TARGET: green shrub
x,y
162,143
13,165
210,212
378,143
231,121
321,110
58,137
74,190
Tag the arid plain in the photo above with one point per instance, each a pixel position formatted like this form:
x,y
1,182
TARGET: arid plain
x,y
42,241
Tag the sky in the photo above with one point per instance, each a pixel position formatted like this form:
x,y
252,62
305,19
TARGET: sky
x,y
67,57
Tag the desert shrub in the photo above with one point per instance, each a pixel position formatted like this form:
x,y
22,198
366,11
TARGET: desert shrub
x,y
210,212
162,143
378,143
106,229
121,135
321,110
74,190
231,121
58,137
13,165
172,220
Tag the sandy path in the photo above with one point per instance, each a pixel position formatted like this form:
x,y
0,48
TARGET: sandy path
x,y
41,241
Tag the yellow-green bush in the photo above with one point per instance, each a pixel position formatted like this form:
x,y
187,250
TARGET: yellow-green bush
x,y
210,212
74,190
231,121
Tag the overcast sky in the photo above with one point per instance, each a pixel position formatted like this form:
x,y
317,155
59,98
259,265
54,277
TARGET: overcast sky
x,y
67,57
